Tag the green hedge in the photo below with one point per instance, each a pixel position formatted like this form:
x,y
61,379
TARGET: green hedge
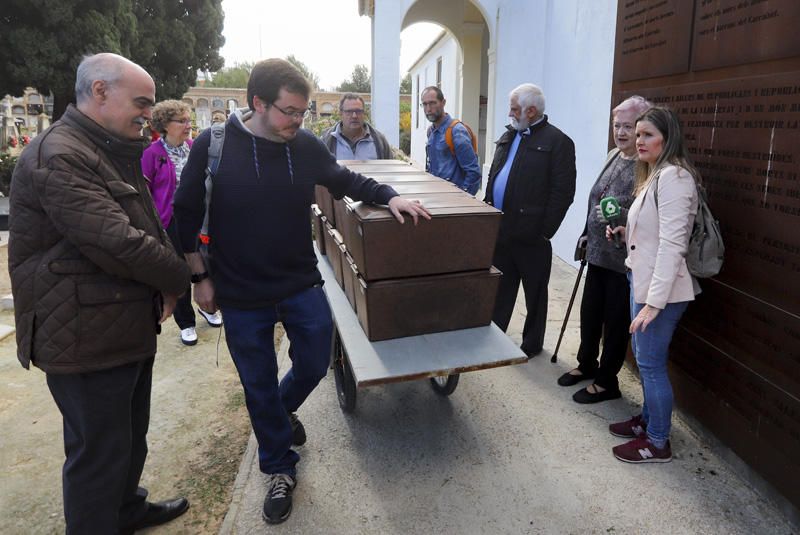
x,y
7,164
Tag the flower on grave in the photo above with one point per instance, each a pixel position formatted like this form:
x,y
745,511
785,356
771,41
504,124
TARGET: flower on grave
x,y
12,141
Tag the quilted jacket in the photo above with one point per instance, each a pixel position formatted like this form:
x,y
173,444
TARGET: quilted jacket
x,y
88,257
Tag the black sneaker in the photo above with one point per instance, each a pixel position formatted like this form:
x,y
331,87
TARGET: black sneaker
x,y
278,502
298,430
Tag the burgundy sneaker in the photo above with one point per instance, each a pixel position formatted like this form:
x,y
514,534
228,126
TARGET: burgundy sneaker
x,y
641,450
633,428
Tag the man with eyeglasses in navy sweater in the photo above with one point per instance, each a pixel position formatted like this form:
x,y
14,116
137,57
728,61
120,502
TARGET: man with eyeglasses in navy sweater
x,y
263,266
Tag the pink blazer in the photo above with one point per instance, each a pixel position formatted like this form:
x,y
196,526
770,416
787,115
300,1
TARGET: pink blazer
x,y
657,239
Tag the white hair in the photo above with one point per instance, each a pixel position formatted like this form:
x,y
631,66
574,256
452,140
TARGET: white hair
x,y
528,95
105,66
638,104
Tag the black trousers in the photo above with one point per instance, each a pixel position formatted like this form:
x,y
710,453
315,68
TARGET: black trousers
x,y
106,416
605,311
529,264
184,313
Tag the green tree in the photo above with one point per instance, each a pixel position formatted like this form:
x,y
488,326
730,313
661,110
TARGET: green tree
x,y
235,76
175,39
359,81
405,128
308,73
405,84
42,42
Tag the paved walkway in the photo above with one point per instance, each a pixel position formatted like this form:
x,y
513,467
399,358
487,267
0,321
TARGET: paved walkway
x,y
508,452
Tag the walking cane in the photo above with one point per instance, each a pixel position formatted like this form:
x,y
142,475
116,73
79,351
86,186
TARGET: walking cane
x,y
580,254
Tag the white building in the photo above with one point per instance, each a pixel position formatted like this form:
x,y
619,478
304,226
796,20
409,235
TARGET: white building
x,y
490,47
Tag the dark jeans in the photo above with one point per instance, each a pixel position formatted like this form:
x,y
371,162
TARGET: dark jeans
x,y
529,264
106,416
606,313
309,326
184,313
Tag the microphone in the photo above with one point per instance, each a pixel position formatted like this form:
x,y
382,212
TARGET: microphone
x,y
611,211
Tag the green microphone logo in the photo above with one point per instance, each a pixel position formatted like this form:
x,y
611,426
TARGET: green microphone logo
x,y
611,211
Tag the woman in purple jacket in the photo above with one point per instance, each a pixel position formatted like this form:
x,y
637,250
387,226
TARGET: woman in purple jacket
x,y
162,163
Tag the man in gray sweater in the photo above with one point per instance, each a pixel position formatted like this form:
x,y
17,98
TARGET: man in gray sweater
x,y
353,138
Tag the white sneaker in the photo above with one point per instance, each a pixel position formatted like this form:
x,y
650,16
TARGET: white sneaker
x,y
214,320
188,336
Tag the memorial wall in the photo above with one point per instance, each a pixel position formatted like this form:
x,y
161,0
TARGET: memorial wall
x,y
731,70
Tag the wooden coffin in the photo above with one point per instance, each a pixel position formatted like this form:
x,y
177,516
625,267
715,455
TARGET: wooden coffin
x,y
422,305
357,165
368,168
350,275
378,162
393,179
334,248
460,236
324,201
405,183
318,222
412,190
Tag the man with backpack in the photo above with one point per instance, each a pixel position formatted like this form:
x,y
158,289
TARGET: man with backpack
x,y
452,148
262,262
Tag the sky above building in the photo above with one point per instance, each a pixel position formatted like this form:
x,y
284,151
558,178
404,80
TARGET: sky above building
x,y
327,35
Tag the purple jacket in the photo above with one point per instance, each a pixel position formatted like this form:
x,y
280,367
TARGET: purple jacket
x,y
161,180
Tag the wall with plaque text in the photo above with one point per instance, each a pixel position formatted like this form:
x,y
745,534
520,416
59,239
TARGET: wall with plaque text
x,y
731,69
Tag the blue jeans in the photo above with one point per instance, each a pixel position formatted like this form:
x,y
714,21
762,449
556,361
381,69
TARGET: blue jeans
x,y
306,317
651,349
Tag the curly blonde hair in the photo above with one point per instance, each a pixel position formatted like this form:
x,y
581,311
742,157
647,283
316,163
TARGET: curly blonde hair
x,y
165,111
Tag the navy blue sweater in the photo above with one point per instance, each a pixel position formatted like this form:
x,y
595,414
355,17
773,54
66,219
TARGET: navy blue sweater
x,y
260,226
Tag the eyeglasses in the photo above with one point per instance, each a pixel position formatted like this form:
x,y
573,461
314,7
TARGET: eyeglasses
x,y
353,112
623,127
185,122
291,113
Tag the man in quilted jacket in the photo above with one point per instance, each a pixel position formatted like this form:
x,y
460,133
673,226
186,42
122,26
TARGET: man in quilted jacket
x,y
93,276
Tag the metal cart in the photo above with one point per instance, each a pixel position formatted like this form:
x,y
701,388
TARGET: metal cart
x,y
439,357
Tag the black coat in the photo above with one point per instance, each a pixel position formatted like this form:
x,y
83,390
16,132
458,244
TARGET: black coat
x,y
541,183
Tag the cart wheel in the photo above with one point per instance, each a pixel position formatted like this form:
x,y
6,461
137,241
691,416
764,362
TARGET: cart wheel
x,y
345,384
445,385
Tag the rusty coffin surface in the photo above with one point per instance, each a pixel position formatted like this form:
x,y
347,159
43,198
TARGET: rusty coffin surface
x,y
460,236
422,305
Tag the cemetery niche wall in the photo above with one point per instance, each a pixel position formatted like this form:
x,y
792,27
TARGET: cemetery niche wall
x,y
731,70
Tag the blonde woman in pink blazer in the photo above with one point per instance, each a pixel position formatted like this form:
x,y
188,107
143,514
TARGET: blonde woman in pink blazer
x,y
657,235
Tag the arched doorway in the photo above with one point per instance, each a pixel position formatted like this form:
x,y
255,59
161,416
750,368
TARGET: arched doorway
x,y
471,67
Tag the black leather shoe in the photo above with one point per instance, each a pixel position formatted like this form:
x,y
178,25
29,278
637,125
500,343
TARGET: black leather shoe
x,y
158,513
584,396
530,353
569,379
